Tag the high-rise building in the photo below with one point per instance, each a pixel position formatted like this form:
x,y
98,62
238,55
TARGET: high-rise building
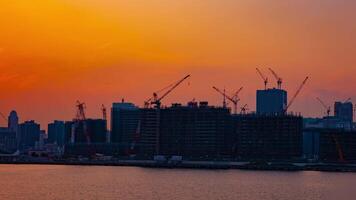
x,y
271,101
56,133
124,123
29,134
268,137
344,111
193,131
13,121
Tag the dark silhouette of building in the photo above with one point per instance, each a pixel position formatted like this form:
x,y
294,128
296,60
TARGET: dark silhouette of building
x,y
68,127
193,131
29,134
344,111
271,101
331,145
96,129
86,131
124,123
267,137
149,133
13,121
56,133
8,142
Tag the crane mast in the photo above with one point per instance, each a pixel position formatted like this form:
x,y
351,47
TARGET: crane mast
x,y
265,79
278,78
103,110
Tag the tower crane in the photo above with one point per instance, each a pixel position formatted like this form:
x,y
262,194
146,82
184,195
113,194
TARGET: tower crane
x,y
103,110
327,108
296,94
278,78
265,79
232,99
80,111
80,117
156,100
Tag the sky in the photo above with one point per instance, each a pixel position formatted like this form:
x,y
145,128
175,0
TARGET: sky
x,y
55,52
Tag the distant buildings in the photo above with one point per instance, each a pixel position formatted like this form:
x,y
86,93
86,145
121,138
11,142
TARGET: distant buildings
x,y
344,111
29,134
8,143
56,133
271,101
330,145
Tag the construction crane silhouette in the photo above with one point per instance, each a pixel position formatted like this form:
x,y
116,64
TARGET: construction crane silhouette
x,y
103,110
327,108
244,109
3,116
278,78
236,95
296,94
265,79
81,118
233,99
156,100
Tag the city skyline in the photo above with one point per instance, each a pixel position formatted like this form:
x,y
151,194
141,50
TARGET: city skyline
x,y
56,52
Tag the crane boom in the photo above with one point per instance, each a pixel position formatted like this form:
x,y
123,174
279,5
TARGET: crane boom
x,y
238,92
327,108
234,99
224,94
265,79
279,79
157,100
296,94
3,116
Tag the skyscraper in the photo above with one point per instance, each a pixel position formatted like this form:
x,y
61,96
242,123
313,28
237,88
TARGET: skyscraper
x,y
13,121
29,134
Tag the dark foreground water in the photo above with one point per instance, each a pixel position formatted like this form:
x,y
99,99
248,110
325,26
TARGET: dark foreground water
x,y
89,182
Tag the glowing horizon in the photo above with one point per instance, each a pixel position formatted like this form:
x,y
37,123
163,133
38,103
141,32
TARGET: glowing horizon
x,y
55,52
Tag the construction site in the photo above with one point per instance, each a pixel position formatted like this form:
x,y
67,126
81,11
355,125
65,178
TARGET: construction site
x,y
200,131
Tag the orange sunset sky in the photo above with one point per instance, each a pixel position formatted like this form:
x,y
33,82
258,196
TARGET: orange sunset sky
x,y
54,52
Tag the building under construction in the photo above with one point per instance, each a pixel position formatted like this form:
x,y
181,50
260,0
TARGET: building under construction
x,y
194,131
266,137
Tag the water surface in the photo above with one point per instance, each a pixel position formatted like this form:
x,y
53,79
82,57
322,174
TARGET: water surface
x,y
39,182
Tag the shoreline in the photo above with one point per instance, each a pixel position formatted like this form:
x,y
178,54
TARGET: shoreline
x,y
204,165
